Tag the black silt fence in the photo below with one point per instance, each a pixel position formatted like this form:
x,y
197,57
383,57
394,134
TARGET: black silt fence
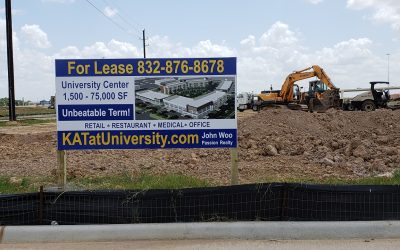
x,y
256,202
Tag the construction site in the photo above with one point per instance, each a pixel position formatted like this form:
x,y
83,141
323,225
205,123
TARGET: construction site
x,y
274,145
279,138
291,134
268,133
321,95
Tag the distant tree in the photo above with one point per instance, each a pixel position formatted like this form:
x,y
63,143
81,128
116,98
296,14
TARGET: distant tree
x,y
3,102
19,102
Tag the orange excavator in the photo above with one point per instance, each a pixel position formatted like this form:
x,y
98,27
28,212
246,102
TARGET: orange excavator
x,y
321,95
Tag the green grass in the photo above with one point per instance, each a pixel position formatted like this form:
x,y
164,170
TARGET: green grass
x,y
168,181
27,111
26,122
23,184
143,181
395,180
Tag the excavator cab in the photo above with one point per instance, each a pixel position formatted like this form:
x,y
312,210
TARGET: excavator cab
x,y
296,92
319,97
316,87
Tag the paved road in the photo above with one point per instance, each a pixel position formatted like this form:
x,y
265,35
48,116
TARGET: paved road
x,y
220,244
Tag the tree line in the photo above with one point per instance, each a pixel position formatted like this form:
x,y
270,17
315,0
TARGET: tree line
x,y
4,102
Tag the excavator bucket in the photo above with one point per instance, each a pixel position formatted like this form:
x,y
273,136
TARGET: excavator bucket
x,y
328,99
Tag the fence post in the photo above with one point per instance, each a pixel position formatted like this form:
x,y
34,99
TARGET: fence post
x,y
62,168
284,203
41,205
234,166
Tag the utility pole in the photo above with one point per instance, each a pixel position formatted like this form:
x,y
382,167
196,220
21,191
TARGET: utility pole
x,y
144,44
388,73
10,61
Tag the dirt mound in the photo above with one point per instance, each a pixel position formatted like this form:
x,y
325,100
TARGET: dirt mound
x,y
275,144
357,143
395,96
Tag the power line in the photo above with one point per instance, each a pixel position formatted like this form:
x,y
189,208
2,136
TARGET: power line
x,y
144,38
115,23
120,26
138,26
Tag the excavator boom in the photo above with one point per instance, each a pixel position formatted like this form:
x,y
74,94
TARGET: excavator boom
x,y
287,87
320,73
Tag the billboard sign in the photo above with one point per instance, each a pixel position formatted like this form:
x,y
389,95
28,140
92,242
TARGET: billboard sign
x,y
146,103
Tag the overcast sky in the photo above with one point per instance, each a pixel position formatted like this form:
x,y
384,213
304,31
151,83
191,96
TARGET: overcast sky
x,y
271,38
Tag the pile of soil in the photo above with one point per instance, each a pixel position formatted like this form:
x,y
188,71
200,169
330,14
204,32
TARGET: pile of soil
x,y
274,144
395,97
334,144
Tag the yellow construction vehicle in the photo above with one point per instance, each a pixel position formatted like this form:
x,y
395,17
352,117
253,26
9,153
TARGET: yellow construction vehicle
x,y
318,96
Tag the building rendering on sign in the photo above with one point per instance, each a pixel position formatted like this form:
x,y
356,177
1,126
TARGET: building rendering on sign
x,y
170,86
226,86
196,108
152,97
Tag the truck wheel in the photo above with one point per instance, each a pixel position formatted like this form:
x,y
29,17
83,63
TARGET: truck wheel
x,y
368,105
255,108
350,107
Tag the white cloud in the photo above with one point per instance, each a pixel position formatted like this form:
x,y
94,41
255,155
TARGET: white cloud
x,y
263,59
110,12
35,36
278,35
315,1
59,1
347,51
112,49
385,11
207,48
249,41
162,46
279,51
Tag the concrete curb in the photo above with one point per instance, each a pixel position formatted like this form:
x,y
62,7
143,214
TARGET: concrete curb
x,y
209,230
